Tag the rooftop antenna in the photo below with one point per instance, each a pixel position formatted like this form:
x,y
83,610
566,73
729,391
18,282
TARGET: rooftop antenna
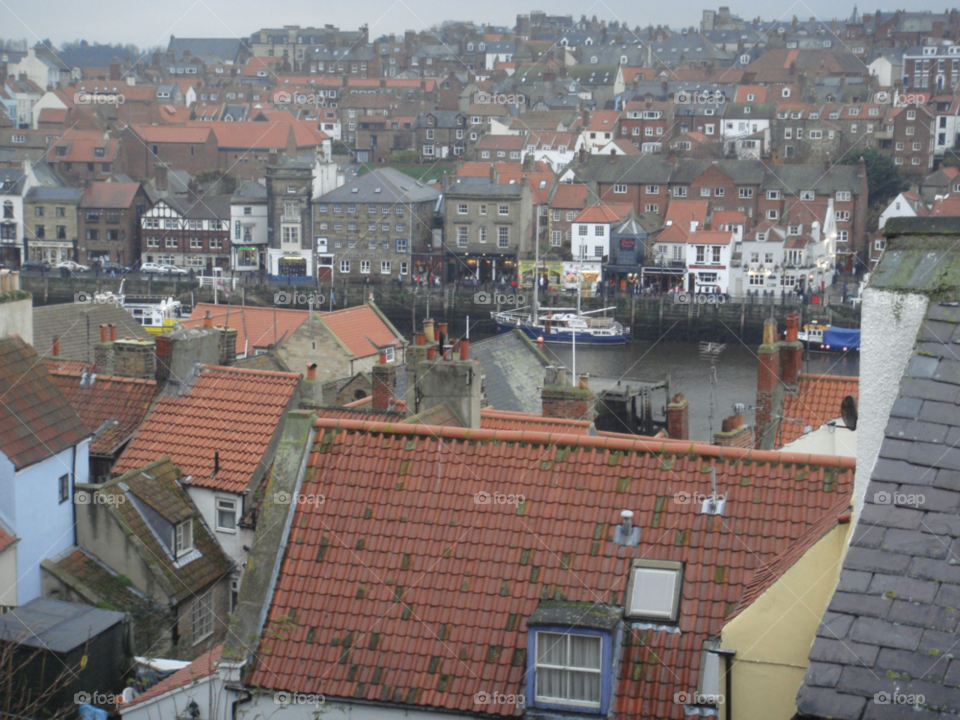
x,y
711,351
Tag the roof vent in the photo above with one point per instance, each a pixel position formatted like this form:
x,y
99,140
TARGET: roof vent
x,y
713,504
626,533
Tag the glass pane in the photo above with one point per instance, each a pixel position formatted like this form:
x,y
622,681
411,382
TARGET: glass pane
x,y
585,686
585,652
551,649
550,683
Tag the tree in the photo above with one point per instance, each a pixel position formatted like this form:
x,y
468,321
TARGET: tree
x,y
883,178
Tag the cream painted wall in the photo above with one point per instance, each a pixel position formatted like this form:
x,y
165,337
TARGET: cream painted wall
x,y
826,440
772,637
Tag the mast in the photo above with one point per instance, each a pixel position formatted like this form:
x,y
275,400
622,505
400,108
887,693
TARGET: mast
x,y
536,275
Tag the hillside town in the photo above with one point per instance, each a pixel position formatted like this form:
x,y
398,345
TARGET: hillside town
x,y
484,370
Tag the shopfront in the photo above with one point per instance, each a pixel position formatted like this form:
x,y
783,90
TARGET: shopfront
x,y
247,258
486,267
551,271
290,264
588,274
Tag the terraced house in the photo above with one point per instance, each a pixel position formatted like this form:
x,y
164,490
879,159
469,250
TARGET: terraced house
x,y
373,227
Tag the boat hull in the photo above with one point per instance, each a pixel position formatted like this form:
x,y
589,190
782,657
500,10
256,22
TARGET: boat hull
x,y
564,337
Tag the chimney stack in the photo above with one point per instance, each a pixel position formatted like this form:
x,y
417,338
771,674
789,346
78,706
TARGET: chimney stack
x,y
734,433
561,400
678,418
791,353
456,383
768,377
135,359
384,384
103,354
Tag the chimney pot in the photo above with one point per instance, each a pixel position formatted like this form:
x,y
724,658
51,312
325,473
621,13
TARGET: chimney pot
x,y
432,352
448,352
312,371
208,320
583,382
465,349
104,332
626,521
561,376
428,329
421,339
56,347
113,332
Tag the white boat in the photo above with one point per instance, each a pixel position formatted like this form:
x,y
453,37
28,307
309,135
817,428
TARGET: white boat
x,y
156,318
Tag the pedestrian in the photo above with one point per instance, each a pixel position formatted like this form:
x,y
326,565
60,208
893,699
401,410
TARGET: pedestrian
x,y
843,293
436,281
113,272
513,286
400,280
333,298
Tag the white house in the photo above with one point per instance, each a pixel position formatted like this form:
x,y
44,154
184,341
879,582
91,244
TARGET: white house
x,y
886,66
248,227
41,67
906,204
590,240
49,100
708,254
26,94
44,452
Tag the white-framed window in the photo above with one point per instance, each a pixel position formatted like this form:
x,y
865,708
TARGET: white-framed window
x,y
816,134
807,195
910,130
773,214
583,230
365,267
916,147
203,617
569,669
746,193
679,192
652,208
599,230
385,267
653,189
842,215
482,235
556,238
226,515
461,208
503,237
344,266
842,236
773,194
704,192
843,196
620,189
183,538
503,210
463,236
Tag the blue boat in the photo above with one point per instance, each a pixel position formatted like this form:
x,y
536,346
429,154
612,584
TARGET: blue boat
x,y
563,326
829,337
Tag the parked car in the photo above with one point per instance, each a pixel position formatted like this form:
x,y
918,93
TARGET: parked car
x,y
73,266
149,267
35,265
173,270
112,267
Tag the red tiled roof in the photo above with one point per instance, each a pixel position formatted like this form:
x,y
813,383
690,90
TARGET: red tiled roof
x,y
683,211
248,135
947,206
425,592
603,120
36,420
109,195
602,213
256,326
570,195
728,217
228,411
492,419
53,115
81,146
6,538
204,666
105,399
362,329
816,402
172,133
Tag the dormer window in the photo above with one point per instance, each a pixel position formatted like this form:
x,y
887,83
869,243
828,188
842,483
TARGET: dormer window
x,y
653,591
569,669
183,538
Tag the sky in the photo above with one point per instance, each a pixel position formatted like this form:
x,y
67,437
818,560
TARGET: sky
x,y
150,23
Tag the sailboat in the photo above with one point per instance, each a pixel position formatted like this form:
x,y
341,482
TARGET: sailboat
x,y
562,325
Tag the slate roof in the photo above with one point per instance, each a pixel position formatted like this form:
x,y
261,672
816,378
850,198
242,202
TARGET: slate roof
x,y
36,420
514,370
157,486
54,625
99,399
228,411
77,325
892,625
816,402
459,579
385,185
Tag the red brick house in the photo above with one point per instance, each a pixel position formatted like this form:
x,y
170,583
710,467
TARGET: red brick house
x,y
109,222
193,149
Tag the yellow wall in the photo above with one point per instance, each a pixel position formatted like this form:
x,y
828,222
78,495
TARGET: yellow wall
x,y
772,637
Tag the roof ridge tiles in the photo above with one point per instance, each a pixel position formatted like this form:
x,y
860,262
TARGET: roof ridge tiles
x,y
678,447
251,371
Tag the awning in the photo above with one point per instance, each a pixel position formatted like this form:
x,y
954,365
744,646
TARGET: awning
x,y
664,271
622,268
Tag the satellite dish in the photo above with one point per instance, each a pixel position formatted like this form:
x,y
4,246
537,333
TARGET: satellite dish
x,y
848,411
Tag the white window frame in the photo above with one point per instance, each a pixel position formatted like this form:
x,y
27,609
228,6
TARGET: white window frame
x,y
568,669
228,505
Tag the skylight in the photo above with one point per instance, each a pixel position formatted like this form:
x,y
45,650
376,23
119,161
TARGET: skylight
x,y
653,591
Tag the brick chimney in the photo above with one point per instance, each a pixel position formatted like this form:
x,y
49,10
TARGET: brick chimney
x,y
734,433
384,383
228,346
134,358
178,353
791,353
103,354
559,399
678,418
115,69
442,379
768,377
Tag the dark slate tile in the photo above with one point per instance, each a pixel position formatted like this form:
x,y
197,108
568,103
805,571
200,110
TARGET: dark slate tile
x,y
822,674
942,524
921,367
868,605
826,703
948,479
868,536
948,596
939,412
936,643
852,581
935,695
949,459
930,569
932,348
895,471
951,678
843,652
876,561
906,407
928,389
912,664
861,681
886,634
938,332
926,457
891,516
953,437
915,430
893,449
947,371
943,311
835,624
928,498
911,542
893,711
897,587
925,616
